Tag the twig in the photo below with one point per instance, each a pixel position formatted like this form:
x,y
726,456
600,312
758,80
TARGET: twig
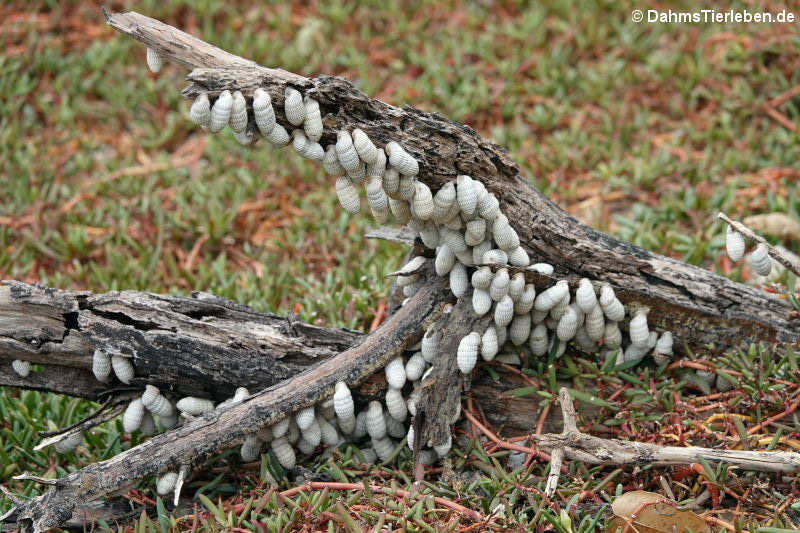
x,y
789,262
570,427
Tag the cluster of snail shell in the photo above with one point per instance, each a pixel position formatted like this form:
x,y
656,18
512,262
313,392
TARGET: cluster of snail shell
x,y
475,246
735,247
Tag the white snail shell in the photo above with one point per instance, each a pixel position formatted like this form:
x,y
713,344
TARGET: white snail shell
x,y
166,483
348,157
481,301
552,296
329,434
495,257
489,344
444,448
348,195
761,261
154,60
465,257
293,106
293,434
406,189
612,336
365,148
542,268
305,418
284,453
169,422
123,368
612,307
538,341
238,119
69,443
458,280
279,429
148,426
330,162
195,406
400,210
443,200
524,303
664,344
504,235
278,136
415,366
482,278
251,449
384,447
21,367
200,112
504,311
594,323
445,259
634,352
479,249
560,308
430,344
358,174
306,147
584,342
467,194
638,329
467,354
156,403
243,137
489,207
516,286
313,433
518,257
475,232
101,365
734,244
395,428
500,283
312,124
391,182
133,415
454,239
401,160
520,329
585,296
395,372
422,205
220,112
568,324
377,200
361,426
374,420
263,112
395,404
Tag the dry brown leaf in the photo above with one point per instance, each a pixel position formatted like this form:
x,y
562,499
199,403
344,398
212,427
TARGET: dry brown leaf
x,y
778,225
648,512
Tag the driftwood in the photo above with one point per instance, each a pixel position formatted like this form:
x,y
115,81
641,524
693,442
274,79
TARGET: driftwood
x,y
208,346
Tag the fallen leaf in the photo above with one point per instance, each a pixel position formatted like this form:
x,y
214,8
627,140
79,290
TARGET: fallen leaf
x,y
648,512
778,225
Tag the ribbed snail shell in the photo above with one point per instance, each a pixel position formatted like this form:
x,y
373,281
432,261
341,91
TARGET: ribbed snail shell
x,y
133,415
305,418
284,453
443,200
558,310
504,311
330,162
21,367
430,344
761,261
542,268
123,368
238,118
518,257
422,205
568,325
482,278
415,366
635,352
489,208
396,404
504,235
401,160
358,174
278,136
524,303
612,307
445,259
329,434
313,433
549,298
475,232
406,188
244,137
595,323
395,373
156,403
453,239
293,106
263,112
101,365
200,112
585,296
516,286
377,200
458,280
374,420
467,354
638,330
72,441
584,342
169,422
481,301
195,406
348,195
220,112
612,336
734,244
154,60
251,449
538,341
489,344
664,344
499,286
367,151
348,157
479,249
166,483
306,147
391,182
280,428
466,194
520,328
312,124
384,447
495,257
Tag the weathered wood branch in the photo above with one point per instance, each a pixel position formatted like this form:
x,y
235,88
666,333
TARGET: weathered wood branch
x,y
700,308
198,438
785,259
